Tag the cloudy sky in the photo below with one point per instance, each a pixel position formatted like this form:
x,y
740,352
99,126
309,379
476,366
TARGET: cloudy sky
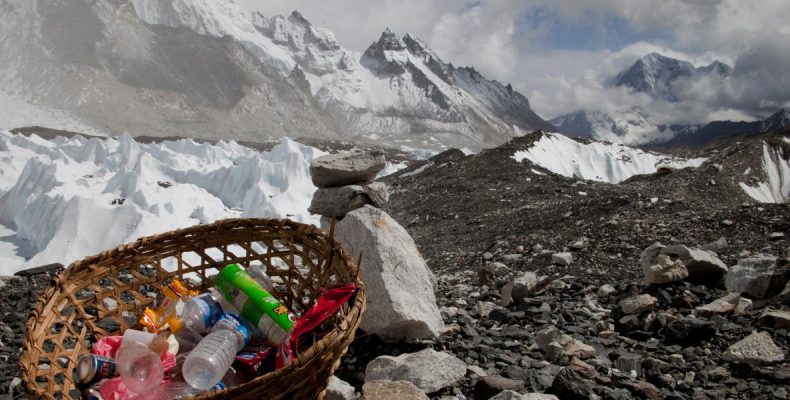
x,y
561,53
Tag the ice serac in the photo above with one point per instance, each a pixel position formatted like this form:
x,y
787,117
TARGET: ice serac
x,y
776,168
53,194
399,285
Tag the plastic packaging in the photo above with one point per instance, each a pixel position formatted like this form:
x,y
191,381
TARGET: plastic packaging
x,y
140,368
213,356
172,294
257,306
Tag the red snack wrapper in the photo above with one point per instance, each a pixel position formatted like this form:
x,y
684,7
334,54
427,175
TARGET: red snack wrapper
x,y
325,306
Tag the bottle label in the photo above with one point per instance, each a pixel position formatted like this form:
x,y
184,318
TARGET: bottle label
x,y
251,299
238,324
210,310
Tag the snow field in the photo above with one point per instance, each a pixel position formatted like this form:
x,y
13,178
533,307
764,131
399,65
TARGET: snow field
x,y
596,161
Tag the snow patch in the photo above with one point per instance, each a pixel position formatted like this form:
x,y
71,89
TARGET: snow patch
x,y
66,199
418,170
596,161
777,188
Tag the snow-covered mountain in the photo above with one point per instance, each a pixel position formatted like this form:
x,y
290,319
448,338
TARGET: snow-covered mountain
x,y
203,68
664,79
630,126
661,76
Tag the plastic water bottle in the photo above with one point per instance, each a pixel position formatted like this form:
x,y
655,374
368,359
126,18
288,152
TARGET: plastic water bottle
x,y
211,359
199,314
140,367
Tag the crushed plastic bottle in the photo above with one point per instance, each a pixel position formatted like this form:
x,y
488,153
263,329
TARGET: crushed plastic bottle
x,y
213,356
139,366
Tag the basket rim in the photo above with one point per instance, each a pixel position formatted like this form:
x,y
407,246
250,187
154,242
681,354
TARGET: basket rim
x,y
349,323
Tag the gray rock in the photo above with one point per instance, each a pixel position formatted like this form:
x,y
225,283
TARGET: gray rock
x,y
776,236
777,319
606,290
524,285
660,268
511,395
719,246
492,385
398,284
756,349
562,258
570,384
339,389
558,345
629,362
701,265
507,395
637,304
539,396
484,308
428,369
474,369
340,200
754,276
388,390
721,305
346,168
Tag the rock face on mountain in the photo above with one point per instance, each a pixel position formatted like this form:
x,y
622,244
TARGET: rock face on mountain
x,y
203,69
657,75
719,131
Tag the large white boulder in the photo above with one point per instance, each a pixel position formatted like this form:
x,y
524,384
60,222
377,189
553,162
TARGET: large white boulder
x,y
429,370
399,287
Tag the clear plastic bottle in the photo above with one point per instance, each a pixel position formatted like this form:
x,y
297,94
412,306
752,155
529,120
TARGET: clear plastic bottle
x,y
258,273
211,359
140,367
198,314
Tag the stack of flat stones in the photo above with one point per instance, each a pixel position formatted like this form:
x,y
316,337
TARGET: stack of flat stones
x,y
345,183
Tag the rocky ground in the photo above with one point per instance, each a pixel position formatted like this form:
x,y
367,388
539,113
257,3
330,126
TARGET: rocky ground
x,y
482,221
18,295
541,283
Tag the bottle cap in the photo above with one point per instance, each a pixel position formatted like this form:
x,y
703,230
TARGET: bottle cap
x,y
142,337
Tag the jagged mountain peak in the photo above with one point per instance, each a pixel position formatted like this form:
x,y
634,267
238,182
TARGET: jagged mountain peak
x,y
223,69
655,74
389,41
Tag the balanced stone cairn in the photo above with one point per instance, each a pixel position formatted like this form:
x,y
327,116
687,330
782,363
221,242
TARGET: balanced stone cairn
x,y
401,304
344,183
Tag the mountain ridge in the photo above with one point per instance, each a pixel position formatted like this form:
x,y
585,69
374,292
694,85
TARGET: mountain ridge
x,y
205,68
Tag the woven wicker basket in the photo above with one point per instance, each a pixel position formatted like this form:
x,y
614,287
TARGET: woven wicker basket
x,y
103,295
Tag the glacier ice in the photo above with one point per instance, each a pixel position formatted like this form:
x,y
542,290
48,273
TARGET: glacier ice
x,y
597,161
66,199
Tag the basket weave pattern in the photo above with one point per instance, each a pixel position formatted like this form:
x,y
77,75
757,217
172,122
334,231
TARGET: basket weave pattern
x,y
104,294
